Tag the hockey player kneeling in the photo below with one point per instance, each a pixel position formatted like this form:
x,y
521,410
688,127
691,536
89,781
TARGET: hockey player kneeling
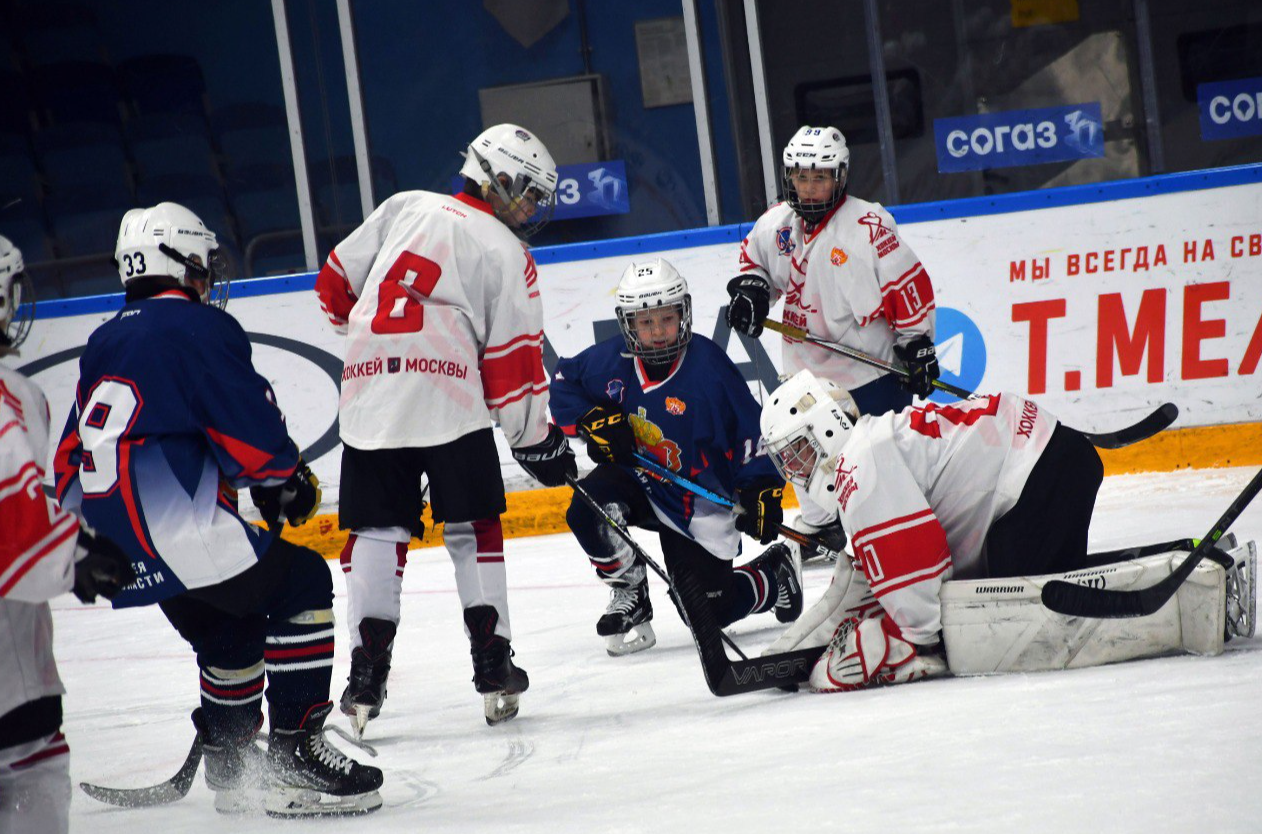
x,y
997,495
668,394
171,419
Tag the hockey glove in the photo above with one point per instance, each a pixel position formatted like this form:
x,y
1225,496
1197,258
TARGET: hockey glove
x,y
759,513
751,300
921,359
550,460
608,434
873,652
101,567
298,498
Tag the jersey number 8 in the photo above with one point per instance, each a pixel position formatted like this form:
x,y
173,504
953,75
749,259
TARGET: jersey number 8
x,y
401,296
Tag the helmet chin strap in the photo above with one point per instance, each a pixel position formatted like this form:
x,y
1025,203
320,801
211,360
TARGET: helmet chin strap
x,y
192,269
496,185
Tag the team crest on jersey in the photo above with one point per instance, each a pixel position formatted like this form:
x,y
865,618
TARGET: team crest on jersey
x,y
844,486
784,240
839,256
793,297
616,390
879,235
675,406
650,437
393,364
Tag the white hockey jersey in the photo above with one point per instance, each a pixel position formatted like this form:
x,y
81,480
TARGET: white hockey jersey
x,y
441,304
917,492
852,280
38,540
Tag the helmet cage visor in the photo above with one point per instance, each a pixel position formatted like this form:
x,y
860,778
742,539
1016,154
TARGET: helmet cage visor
x,y
525,205
796,455
639,323
813,211
16,316
214,273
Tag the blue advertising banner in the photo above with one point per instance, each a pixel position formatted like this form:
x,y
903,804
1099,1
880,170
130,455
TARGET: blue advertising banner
x,y
1230,108
587,190
1019,137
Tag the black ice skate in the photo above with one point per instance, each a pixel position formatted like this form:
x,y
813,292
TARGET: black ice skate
x,y
309,777
625,624
778,560
495,675
236,768
365,692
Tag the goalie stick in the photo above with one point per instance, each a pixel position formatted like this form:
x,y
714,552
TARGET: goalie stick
x,y
1157,421
163,793
723,675
723,501
1075,600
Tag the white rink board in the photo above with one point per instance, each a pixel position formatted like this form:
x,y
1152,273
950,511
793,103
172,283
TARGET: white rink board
x,y
1189,329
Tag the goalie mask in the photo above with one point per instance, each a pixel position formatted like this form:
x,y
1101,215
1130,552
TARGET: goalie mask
x,y
816,165
15,288
169,241
516,175
805,424
654,311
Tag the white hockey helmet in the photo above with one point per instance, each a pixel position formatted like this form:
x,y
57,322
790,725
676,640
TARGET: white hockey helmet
x,y
527,190
815,149
805,424
15,288
170,241
651,288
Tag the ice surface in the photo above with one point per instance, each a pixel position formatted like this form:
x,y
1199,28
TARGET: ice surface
x,y
639,744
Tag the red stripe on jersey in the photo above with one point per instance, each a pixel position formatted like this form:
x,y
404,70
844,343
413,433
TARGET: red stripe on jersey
x,y
872,530
252,460
65,469
473,202
334,291
904,555
28,471
57,746
908,300
29,559
129,495
746,262
525,337
887,588
507,374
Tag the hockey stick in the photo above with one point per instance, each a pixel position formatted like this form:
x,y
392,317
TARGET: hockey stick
x,y
164,793
1075,600
1159,420
788,532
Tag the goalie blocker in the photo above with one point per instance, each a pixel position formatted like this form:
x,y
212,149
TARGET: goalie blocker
x,y
999,625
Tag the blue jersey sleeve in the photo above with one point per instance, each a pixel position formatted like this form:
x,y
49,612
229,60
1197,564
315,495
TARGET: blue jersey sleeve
x,y
237,411
570,398
744,434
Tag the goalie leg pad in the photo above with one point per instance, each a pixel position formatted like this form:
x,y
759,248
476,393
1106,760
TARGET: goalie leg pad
x,y
1000,625
848,596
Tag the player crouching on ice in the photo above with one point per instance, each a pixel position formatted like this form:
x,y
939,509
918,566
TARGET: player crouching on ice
x,y
661,391
170,420
982,489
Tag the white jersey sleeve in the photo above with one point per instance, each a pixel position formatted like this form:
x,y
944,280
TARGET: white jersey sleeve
x,y
514,381
38,543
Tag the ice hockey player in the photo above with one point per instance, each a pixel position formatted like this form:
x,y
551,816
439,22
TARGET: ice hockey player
x,y
440,299
44,552
170,420
673,396
991,487
846,275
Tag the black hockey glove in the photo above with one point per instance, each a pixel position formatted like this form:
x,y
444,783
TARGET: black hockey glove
x,y
298,498
608,434
921,359
101,567
759,513
550,460
751,300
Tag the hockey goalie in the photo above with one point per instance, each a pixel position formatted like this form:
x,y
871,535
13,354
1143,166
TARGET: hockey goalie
x,y
958,516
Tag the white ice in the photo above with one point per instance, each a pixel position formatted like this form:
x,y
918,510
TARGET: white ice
x,y
639,744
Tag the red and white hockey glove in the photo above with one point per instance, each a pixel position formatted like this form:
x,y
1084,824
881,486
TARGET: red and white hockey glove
x,y
873,652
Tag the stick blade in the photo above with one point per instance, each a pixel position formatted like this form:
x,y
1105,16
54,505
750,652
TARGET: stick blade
x,y
1156,422
1075,600
172,790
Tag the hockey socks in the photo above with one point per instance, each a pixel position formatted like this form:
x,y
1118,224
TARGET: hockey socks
x,y
298,658
373,561
477,552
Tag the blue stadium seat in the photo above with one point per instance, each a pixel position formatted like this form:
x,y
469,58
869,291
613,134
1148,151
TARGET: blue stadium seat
x,y
246,148
164,84
170,143
76,91
264,199
277,256
201,194
28,233
85,218
81,155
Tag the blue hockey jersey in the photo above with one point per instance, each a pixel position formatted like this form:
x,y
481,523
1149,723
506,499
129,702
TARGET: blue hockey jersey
x,y
170,419
701,421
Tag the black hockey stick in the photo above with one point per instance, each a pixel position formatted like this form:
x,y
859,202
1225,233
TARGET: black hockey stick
x,y
1075,600
1159,420
164,793
723,501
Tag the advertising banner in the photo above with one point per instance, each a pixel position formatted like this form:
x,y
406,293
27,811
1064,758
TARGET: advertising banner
x,y
1019,137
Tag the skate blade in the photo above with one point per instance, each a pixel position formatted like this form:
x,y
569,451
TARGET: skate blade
x,y
240,801
638,639
360,719
499,707
289,803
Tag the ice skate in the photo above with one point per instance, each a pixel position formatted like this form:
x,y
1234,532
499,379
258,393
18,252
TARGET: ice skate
x,y
1242,596
236,770
779,560
311,778
495,676
625,624
365,691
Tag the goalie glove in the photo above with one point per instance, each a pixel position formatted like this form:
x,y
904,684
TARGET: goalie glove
x,y
608,434
101,567
750,303
760,513
921,358
297,498
549,461
872,652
